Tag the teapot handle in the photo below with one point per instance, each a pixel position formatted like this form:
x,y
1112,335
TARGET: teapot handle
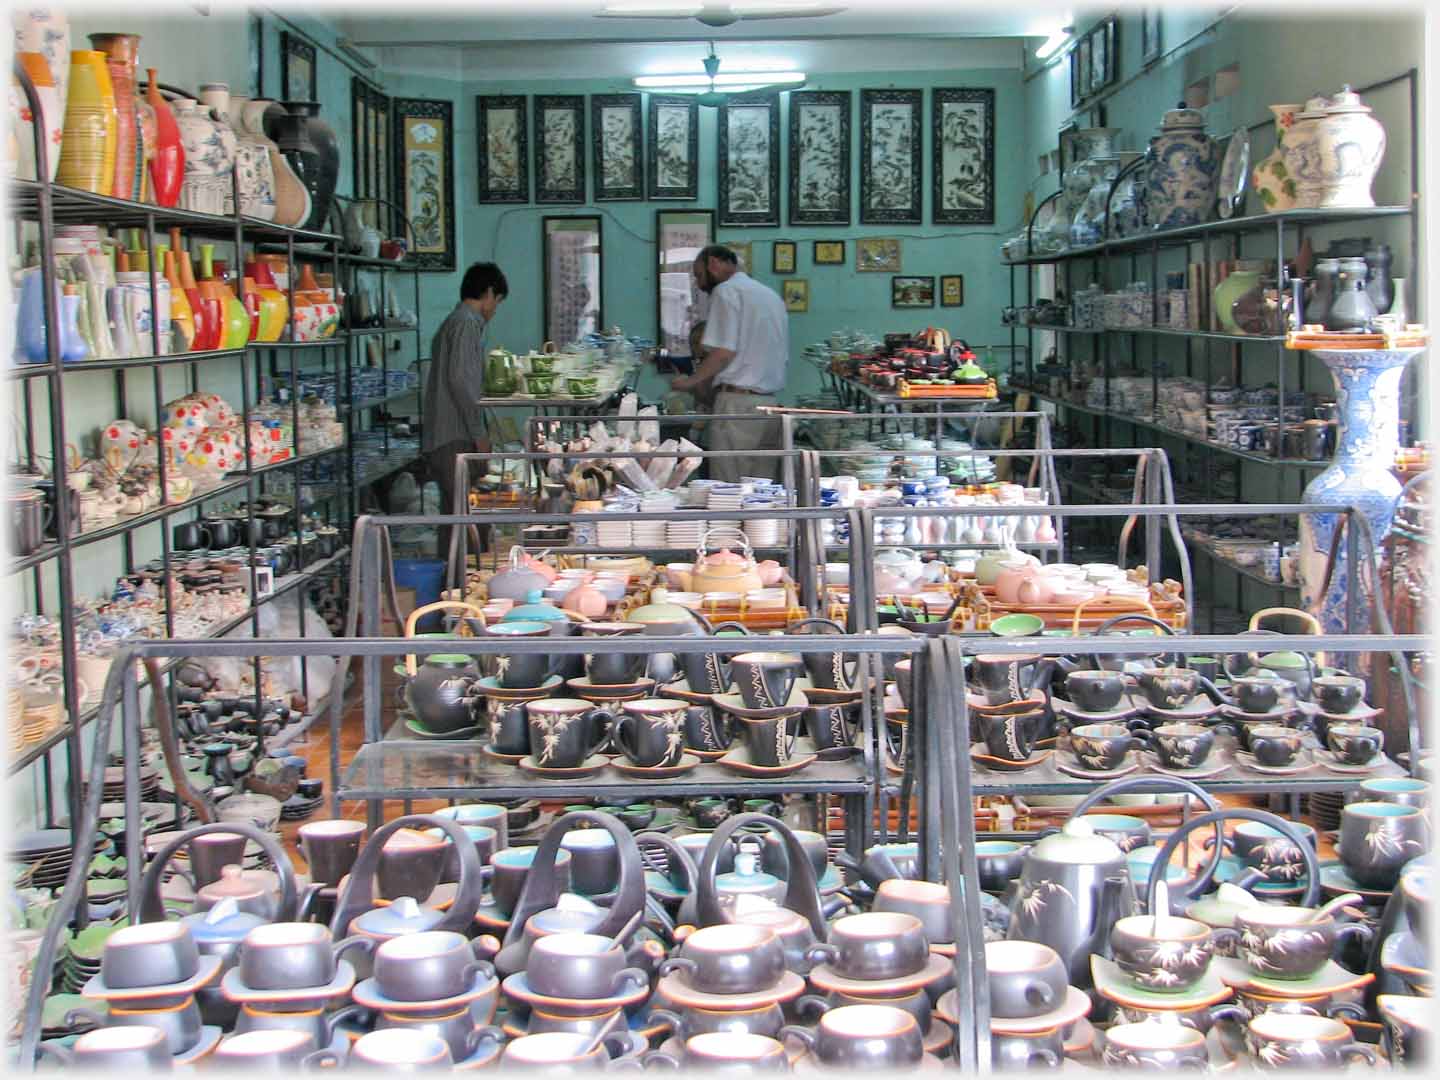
x,y
802,893
1217,817
415,616
1306,617
152,907
1133,616
723,531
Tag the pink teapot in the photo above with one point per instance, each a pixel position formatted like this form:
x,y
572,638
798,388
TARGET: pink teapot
x,y
725,570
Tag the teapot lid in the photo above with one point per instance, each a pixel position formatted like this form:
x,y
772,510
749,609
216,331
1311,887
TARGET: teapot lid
x,y
234,883
1347,101
223,923
1077,842
747,877
1221,908
404,916
1182,117
1285,658
535,607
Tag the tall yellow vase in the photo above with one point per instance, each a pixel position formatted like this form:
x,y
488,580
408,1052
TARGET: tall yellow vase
x,y
87,154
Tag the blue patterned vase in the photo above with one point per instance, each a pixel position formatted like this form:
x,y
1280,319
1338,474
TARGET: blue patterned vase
x,y
1180,183
1367,389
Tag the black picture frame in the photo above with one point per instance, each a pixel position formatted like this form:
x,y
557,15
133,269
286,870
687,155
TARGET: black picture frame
x,y
1150,36
951,140
370,152
745,204
617,180
1104,41
297,68
496,139
672,141
554,183
1066,130
820,191
428,196
551,225
696,227
901,284
957,281
783,256
892,198
828,253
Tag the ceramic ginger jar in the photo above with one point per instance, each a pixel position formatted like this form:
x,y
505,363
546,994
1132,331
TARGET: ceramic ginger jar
x,y
1127,202
1349,146
210,148
1302,156
1180,183
1088,226
254,173
1270,179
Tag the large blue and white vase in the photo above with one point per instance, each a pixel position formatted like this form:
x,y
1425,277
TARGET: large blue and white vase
x,y
1367,390
1180,183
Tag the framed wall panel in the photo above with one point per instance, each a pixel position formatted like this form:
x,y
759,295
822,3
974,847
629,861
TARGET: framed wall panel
x,y
749,160
297,68
819,157
674,144
890,157
559,148
425,178
571,254
617,137
962,148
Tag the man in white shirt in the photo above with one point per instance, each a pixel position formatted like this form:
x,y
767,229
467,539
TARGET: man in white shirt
x,y
747,343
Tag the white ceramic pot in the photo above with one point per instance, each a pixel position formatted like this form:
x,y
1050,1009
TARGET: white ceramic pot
x,y
1302,156
1350,144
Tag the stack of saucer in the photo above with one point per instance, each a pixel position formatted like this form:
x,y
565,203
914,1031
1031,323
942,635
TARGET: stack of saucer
x,y
725,497
575,982
47,852
684,534
616,533
727,977
40,715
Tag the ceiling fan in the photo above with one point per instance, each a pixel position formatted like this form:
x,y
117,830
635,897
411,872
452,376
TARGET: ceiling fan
x,y
734,84
716,12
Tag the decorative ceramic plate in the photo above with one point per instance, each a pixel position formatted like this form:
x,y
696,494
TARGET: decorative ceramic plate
x,y
680,993
1076,1004
204,975
367,992
589,691
1123,711
1357,715
1335,879
1215,768
509,759
978,756
1199,708
1070,769
419,730
490,687
664,772
1277,715
591,766
1331,979
817,696
1113,984
517,987
738,760
1328,759
1303,762
1234,174
734,703
235,990
825,977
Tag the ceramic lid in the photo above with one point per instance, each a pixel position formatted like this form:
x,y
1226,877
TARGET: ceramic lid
x,y
535,609
1347,101
1181,117
404,916
234,883
1077,843
1315,107
748,877
223,924
1221,907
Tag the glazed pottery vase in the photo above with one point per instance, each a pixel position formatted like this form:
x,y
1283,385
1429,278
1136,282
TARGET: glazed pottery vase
x,y
1241,280
274,306
1367,391
182,320
1180,185
167,156
209,159
51,119
1088,225
1350,144
89,125
1302,155
1127,204
121,57
30,318
254,175
309,145
46,31
292,197
1270,179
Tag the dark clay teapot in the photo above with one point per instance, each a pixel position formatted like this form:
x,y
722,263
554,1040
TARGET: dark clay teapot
x,y
441,692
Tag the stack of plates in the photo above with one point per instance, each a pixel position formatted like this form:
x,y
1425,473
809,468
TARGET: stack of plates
x,y
618,533
1325,807
48,851
114,784
54,1011
41,714
82,959
684,534
297,807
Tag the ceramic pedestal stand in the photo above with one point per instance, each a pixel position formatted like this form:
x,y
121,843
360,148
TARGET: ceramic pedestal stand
x,y
1367,387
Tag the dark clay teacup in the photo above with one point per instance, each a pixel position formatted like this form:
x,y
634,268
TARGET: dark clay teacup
x,y
831,725
999,863
794,931
508,868
764,679
1006,736
492,815
271,1051
730,958
1182,746
874,945
565,1051
1003,679
1168,687
1126,832
636,816
128,1050
1257,694
1265,848
651,732
292,955
1355,744
485,839
1275,745
580,966
768,742
927,901
1377,839
1154,1044
1403,790
1409,1028
1287,1040
617,668
149,954
1337,694
708,729
1101,747
330,848
427,966
594,860
211,852
1288,942
726,1051
1014,1051
399,1050
863,1037
1026,978
694,845
509,726
181,1025
1208,667
1165,955
709,813
691,1021
1095,691
775,858
410,865
565,732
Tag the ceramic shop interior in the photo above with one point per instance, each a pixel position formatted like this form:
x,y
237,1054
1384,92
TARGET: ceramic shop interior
x,y
1051,690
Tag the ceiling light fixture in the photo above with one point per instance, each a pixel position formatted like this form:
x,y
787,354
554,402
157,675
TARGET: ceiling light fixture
x,y
730,81
1053,43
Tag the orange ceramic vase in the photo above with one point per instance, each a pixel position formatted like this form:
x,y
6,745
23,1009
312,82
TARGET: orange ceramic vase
x,y
87,155
122,53
181,320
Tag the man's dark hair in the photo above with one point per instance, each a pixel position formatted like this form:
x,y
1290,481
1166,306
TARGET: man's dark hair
x,y
721,252
482,276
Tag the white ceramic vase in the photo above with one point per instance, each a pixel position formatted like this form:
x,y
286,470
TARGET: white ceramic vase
x,y
1350,144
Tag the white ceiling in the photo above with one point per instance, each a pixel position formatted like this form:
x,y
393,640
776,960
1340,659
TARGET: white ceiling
x,y
496,40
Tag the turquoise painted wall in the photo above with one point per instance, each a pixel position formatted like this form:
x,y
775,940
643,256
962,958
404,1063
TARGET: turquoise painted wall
x,y
839,297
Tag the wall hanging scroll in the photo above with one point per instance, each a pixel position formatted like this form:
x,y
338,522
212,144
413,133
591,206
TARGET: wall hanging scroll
x,y
615,134
750,161
502,137
560,148
820,157
425,177
963,156
890,157
674,142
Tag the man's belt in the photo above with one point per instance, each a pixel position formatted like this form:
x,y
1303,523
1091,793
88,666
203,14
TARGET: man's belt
x,y
726,388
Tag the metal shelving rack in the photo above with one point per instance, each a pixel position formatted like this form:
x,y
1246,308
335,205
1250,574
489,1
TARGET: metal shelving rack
x,y
1287,230
43,205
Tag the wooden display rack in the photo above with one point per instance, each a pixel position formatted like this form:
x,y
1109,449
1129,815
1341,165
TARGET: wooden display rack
x,y
1313,336
978,392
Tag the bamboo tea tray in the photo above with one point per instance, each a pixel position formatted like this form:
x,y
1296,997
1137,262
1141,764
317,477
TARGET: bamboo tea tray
x,y
975,393
1414,336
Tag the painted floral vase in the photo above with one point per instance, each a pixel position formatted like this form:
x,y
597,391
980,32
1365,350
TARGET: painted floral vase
x,y
89,126
1088,226
1302,155
1127,201
45,31
1350,144
1180,184
122,53
51,120
1270,179
1367,391
209,158
255,160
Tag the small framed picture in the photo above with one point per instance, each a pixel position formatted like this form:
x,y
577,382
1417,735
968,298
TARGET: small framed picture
x,y
829,252
877,254
782,257
1150,47
797,295
912,292
741,248
952,290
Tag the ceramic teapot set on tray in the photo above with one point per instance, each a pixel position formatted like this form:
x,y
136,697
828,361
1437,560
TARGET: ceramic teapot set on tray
x,y
539,956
